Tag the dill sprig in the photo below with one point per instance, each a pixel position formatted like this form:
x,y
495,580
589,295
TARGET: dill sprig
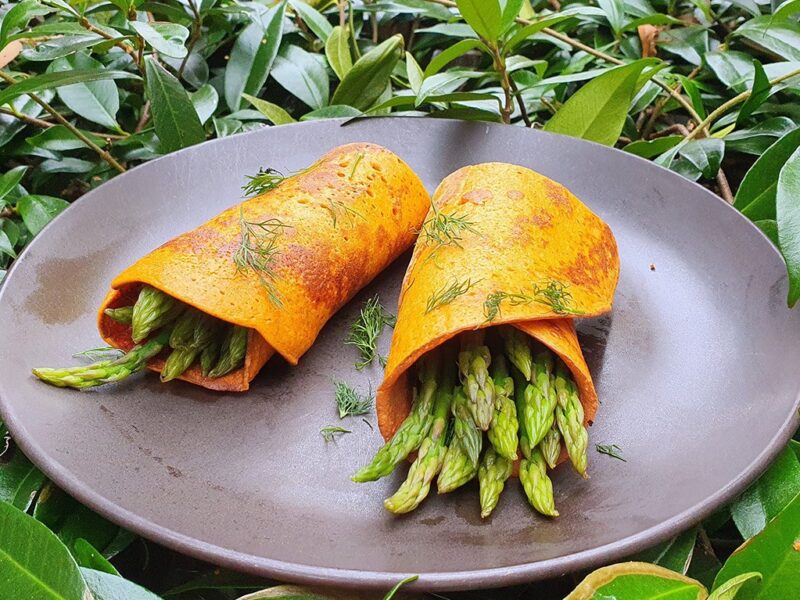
x,y
350,403
365,331
553,294
337,207
330,432
107,352
358,159
263,181
611,450
257,251
445,229
449,292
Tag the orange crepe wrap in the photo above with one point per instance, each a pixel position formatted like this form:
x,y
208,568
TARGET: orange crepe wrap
x,y
526,233
345,219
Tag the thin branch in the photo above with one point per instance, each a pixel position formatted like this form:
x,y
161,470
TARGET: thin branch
x,y
144,117
197,29
46,124
662,102
724,186
74,130
505,82
520,103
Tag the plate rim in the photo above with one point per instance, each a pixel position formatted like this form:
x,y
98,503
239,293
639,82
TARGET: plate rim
x,y
473,579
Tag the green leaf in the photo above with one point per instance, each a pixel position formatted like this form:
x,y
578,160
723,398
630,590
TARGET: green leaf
x,y
37,211
105,586
88,556
731,67
315,21
483,16
597,111
205,101
730,589
174,117
756,194
10,180
705,154
218,580
48,81
414,73
62,46
334,111
11,126
443,83
691,89
302,75
652,148
533,28
296,592
367,80
637,581
20,480
166,38
96,101
615,13
758,94
510,10
253,55
34,563
337,50
770,229
448,55
776,36
787,208
756,139
273,112
690,43
18,16
771,553
674,554
58,138
770,494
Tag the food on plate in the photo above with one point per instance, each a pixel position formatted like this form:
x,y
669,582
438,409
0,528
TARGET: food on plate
x,y
213,305
484,341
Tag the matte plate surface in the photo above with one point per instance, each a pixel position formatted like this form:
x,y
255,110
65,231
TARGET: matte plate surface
x,y
696,369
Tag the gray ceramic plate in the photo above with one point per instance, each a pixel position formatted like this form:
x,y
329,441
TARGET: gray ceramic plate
x,y
696,368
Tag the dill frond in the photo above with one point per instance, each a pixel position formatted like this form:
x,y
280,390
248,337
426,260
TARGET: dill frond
x,y
263,181
491,306
358,159
553,294
257,251
350,403
337,207
448,293
445,229
611,450
330,432
365,331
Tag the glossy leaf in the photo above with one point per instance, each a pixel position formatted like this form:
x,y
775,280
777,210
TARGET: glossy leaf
x,y
302,75
315,21
273,112
451,53
597,111
205,101
691,89
20,480
366,81
777,36
773,490
731,67
59,139
705,154
61,46
756,139
18,16
105,586
334,111
637,581
7,248
509,11
89,557
675,554
414,73
253,55
652,148
787,208
10,180
484,16
33,562
773,554
730,589
96,101
47,81
37,211
337,50
615,13
770,228
166,38
756,195
758,94
174,117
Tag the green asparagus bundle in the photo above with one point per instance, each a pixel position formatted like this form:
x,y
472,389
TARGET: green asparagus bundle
x,y
492,475
569,416
190,336
540,399
461,459
503,432
537,485
473,363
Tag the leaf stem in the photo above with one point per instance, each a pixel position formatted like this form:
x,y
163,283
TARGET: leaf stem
x,y
505,82
74,130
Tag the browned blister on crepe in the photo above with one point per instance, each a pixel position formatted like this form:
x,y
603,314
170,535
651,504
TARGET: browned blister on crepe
x,y
343,220
533,256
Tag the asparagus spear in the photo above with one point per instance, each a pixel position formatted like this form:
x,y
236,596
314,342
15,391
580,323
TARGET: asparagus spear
x,y
551,446
503,432
473,363
537,485
517,347
193,331
106,371
209,356
520,385
540,399
153,310
492,475
429,460
569,417
461,458
123,314
232,351
412,431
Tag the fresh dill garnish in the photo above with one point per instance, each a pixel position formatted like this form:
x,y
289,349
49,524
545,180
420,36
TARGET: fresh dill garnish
x,y
448,293
552,294
257,251
368,424
336,207
365,331
445,229
107,352
611,450
263,181
350,403
358,159
330,432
